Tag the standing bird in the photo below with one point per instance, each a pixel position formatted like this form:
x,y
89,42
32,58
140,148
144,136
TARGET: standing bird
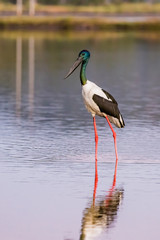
x,y
98,102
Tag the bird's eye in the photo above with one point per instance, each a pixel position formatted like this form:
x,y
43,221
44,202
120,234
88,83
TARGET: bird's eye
x,y
83,54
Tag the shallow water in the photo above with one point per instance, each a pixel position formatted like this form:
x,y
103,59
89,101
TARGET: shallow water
x,y
47,138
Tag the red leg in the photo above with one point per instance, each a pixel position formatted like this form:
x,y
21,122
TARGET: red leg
x,y
96,146
115,144
95,188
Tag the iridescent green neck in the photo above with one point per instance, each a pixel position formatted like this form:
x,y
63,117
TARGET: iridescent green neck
x,y
83,72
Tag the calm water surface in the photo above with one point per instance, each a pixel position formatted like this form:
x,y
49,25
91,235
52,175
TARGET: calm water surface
x,y
48,188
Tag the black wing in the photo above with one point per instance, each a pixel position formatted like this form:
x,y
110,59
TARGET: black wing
x,y
108,107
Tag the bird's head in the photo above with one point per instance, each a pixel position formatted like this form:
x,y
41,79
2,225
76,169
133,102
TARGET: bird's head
x,y
83,57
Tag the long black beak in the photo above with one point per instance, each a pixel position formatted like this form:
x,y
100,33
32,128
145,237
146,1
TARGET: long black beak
x,y
75,65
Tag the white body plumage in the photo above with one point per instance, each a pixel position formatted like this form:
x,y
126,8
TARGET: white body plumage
x,y
88,90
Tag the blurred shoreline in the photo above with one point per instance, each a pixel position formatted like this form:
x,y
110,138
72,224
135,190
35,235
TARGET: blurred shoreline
x,y
122,17
76,23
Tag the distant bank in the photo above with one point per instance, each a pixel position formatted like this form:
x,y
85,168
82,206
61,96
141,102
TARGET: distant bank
x,y
125,17
77,23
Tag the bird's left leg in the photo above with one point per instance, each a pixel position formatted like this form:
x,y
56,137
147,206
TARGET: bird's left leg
x,y
115,145
96,146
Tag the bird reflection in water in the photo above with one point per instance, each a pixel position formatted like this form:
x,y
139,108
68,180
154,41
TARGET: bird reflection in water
x,y
102,213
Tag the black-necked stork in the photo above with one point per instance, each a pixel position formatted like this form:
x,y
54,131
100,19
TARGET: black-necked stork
x,y
97,101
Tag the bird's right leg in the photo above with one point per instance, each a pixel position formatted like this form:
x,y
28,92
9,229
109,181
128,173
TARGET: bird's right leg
x,y
96,147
